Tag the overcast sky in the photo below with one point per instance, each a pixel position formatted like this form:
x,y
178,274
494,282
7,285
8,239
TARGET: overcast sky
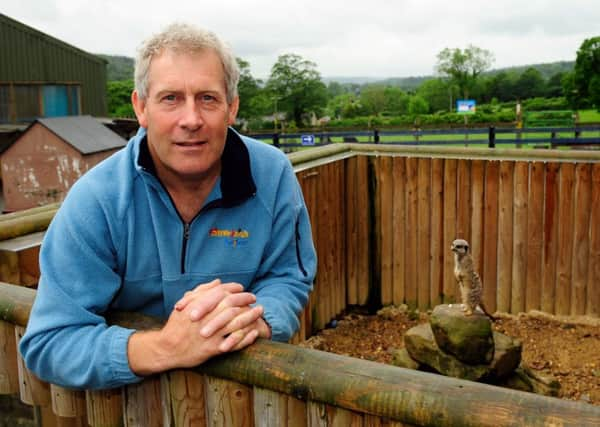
x,y
372,38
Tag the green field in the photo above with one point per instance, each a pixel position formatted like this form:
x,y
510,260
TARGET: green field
x,y
589,116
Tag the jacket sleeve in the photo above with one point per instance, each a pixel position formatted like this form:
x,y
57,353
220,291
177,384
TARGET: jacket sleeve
x,y
67,341
285,276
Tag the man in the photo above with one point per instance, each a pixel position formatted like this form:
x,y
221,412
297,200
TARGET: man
x,y
190,221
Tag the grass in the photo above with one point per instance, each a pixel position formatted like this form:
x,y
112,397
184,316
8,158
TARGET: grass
x,y
589,116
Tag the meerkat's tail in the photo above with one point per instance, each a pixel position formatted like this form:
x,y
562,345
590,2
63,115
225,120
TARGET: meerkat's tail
x,y
487,313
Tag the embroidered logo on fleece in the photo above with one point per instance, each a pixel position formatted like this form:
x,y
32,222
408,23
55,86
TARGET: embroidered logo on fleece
x,y
232,238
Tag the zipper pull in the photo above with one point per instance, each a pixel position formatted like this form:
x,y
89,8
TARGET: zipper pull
x,y
186,231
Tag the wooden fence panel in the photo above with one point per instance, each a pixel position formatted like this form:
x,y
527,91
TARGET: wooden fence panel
x,y
399,229
490,242
565,239
9,377
593,284
535,236
183,398
411,231
229,404
423,233
477,212
351,210
104,407
581,240
364,232
505,235
519,249
386,220
450,294
550,237
437,232
142,403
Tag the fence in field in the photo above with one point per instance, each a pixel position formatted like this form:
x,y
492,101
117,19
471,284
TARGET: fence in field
x,y
539,137
383,218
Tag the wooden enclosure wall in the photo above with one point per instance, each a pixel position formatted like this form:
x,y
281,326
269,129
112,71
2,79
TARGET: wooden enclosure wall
x,y
383,226
534,229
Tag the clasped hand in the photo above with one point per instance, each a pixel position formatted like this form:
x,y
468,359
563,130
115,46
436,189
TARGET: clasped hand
x,y
213,318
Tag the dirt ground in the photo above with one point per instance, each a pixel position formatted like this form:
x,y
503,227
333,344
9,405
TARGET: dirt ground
x,y
566,348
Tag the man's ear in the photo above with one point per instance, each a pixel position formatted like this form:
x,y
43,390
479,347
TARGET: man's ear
x,y
139,107
233,110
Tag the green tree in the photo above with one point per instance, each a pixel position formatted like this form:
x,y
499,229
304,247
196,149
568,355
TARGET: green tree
x,y
396,100
296,86
119,99
530,84
373,99
417,105
586,74
554,86
437,93
248,88
463,67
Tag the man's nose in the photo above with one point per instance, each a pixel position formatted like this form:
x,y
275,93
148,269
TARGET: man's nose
x,y
191,116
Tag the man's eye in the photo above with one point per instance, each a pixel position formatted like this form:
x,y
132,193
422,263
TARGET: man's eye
x,y
208,98
169,98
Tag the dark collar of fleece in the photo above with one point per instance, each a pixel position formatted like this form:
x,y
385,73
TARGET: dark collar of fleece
x,y
237,184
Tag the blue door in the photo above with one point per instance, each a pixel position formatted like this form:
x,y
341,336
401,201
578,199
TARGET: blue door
x,y
56,101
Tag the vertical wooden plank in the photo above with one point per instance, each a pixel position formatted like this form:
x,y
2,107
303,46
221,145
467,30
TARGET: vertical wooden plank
x,y
449,287
505,235
229,404
322,415
550,237
477,211
340,259
331,241
184,398
463,200
437,231
376,246
67,403
142,403
410,281
565,238
270,408
581,241
324,256
9,267
490,241
535,221
593,284
386,189
9,374
104,407
336,215
351,210
519,250
399,230
296,410
423,233
308,182
32,390
364,233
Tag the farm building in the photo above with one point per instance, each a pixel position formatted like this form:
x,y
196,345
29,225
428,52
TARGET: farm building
x,y
41,76
52,153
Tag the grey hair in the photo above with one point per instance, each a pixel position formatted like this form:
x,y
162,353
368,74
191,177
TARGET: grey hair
x,y
179,37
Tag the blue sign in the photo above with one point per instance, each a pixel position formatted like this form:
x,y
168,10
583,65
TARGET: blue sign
x,y
465,106
308,140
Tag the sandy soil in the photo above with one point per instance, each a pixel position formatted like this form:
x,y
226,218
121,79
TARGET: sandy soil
x,y
566,348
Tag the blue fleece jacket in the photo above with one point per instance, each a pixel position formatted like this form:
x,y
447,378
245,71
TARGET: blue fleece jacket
x,y
118,243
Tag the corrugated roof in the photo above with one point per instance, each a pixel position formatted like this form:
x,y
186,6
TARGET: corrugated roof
x,y
84,133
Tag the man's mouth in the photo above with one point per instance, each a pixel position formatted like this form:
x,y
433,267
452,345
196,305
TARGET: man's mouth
x,y
190,143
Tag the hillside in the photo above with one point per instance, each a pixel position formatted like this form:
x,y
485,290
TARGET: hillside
x,y
121,68
118,68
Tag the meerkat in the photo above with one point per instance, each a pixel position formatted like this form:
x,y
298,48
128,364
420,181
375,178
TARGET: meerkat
x,y
471,288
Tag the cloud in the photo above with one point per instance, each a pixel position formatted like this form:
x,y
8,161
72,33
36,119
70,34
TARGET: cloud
x,y
345,38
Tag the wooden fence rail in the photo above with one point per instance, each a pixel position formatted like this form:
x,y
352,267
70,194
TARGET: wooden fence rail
x,y
274,384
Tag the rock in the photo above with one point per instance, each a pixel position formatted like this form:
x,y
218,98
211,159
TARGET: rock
x,y
525,379
469,338
422,347
401,358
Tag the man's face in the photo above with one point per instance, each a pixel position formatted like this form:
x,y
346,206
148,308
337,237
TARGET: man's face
x,y
186,115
